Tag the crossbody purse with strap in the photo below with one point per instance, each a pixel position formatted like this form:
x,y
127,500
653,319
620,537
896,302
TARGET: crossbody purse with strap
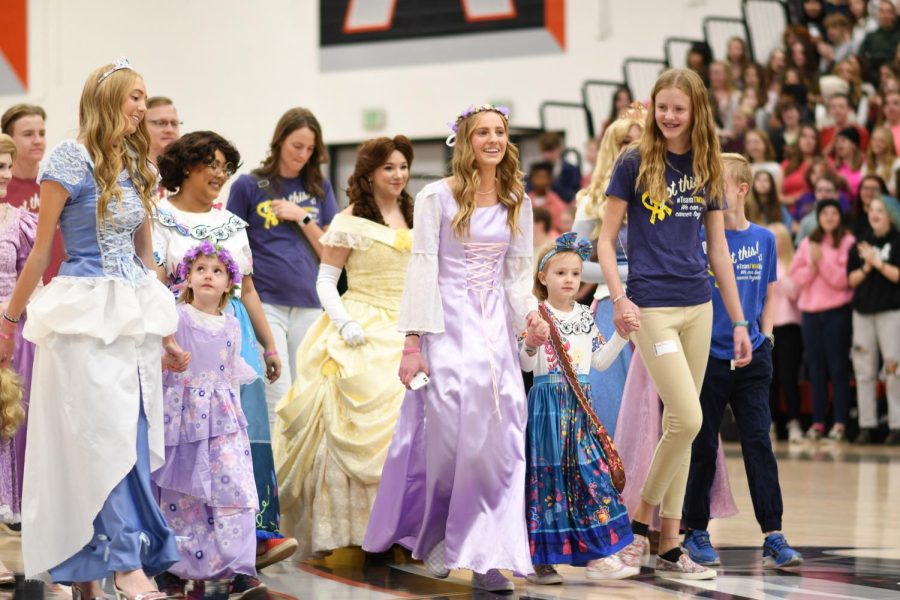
x,y
616,469
266,186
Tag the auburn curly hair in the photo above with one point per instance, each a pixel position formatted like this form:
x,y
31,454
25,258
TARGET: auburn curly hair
x,y
370,156
192,150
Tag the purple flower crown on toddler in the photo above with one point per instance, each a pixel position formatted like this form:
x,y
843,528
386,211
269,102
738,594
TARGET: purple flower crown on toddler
x,y
473,110
207,248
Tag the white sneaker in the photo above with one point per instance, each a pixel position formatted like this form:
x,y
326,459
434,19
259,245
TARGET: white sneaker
x,y
795,433
683,568
492,581
435,562
610,567
544,575
636,553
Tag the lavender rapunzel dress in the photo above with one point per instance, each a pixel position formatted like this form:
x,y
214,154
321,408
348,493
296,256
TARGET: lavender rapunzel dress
x,y
17,232
455,470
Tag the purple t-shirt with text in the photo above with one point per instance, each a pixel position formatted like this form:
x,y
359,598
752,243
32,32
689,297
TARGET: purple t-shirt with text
x,y
284,267
666,264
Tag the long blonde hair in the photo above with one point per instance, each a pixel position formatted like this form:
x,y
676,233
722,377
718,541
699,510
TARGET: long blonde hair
x,y
594,196
510,186
103,126
883,167
784,250
707,165
12,415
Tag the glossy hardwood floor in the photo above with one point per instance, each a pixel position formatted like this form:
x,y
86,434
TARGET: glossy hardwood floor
x,y
842,511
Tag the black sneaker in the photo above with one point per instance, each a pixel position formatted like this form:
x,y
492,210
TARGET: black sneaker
x,y
893,438
171,584
244,587
864,438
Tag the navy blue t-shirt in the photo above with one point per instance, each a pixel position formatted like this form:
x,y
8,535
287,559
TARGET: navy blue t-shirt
x,y
666,266
284,267
753,255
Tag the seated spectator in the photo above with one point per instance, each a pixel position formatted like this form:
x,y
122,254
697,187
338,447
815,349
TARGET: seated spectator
x,y
764,205
540,177
699,58
879,46
566,177
794,183
738,59
860,92
776,65
759,151
840,42
741,123
766,92
621,100
882,160
723,96
892,115
848,159
870,188
828,189
787,113
863,23
804,58
812,16
841,113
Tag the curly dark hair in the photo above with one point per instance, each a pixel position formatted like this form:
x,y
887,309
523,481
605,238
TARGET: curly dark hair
x,y
371,155
190,150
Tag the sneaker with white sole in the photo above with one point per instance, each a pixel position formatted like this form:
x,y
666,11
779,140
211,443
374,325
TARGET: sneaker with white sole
x,y
492,581
683,568
700,549
637,553
544,575
795,432
435,562
609,567
777,553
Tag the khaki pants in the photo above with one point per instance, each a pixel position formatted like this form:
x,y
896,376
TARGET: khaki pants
x,y
674,344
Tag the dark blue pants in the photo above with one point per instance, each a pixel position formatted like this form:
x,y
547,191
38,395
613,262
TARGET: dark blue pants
x,y
826,339
747,391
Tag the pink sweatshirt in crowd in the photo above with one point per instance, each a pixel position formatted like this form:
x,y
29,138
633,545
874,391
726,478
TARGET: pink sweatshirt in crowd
x,y
784,298
825,286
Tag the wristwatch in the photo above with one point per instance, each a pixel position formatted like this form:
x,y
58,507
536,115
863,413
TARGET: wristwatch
x,y
306,219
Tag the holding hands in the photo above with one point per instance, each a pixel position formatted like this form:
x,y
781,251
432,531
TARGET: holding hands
x,y
175,359
537,330
626,316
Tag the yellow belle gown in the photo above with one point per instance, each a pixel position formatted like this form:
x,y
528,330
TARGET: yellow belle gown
x,y
334,425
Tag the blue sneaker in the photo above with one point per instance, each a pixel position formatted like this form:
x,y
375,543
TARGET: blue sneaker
x,y
697,545
777,553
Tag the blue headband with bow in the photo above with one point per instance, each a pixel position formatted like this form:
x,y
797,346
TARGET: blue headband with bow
x,y
568,242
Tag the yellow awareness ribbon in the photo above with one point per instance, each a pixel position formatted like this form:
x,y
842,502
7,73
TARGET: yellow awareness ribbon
x,y
657,208
264,209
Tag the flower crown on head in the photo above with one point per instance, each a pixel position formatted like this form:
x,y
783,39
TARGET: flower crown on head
x,y
473,110
207,248
121,63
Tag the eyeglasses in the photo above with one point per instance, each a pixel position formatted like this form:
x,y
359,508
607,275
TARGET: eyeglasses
x,y
161,123
227,169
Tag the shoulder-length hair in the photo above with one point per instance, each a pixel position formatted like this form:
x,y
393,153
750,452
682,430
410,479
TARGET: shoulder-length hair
x,y
103,128
191,150
707,164
510,185
311,174
370,156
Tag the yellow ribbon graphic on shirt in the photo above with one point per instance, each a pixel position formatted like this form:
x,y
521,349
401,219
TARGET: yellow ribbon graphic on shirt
x,y
264,209
657,208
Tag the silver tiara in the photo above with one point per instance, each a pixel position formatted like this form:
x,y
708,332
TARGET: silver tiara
x,y
121,63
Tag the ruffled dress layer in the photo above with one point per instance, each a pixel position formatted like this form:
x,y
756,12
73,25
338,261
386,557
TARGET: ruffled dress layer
x,y
334,426
207,491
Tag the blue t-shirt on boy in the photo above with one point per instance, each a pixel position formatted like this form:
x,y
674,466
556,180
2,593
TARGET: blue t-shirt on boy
x,y
754,259
666,266
284,267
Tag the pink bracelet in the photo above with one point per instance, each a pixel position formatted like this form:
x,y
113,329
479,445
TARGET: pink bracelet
x,y
270,354
411,350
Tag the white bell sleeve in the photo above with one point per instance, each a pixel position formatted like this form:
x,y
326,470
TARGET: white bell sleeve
x,y
421,309
518,269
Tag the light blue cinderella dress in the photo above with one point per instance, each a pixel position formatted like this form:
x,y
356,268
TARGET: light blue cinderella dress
x,y
95,430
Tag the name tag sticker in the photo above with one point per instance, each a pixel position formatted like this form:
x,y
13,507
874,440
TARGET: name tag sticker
x,y
666,347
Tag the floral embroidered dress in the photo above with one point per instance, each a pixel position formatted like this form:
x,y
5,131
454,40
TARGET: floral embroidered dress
x,y
573,510
207,491
334,427
177,231
95,430
17,231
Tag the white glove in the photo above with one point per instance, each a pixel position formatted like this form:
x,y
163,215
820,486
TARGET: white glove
x,y
326,286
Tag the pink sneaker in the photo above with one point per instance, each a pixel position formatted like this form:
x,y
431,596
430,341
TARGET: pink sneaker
x,y
683,568
610,567
637,553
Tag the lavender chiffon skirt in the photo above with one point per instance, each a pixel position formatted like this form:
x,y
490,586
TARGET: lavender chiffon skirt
x,y
12,451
